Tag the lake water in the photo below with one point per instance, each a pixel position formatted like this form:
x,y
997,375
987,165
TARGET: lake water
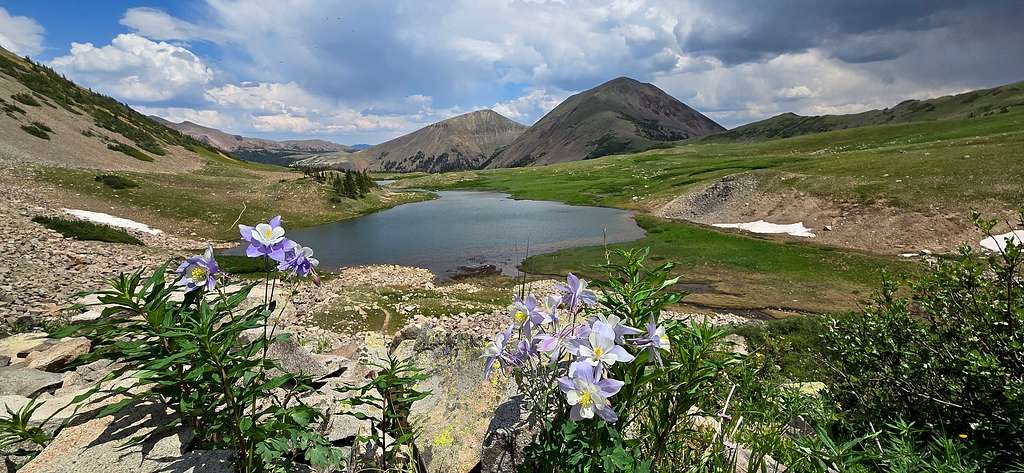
x,y
464,228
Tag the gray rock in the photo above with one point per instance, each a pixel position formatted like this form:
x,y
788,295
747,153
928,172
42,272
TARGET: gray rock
x,y
25,381
97,446
290,355
58,354
509,433
454,419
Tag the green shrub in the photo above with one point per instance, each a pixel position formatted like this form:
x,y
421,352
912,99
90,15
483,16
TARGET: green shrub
x,y
949,357
82,230
36,131
26,99
790,343
114,181
42,126
130,151
243,265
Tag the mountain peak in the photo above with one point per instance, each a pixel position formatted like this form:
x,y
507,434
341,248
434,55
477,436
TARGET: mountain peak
x,y
619,116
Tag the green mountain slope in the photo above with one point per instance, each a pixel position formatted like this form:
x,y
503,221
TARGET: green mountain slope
x,y
974,104
62,123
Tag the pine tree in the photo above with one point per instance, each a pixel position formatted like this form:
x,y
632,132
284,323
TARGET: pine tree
x,y
351,188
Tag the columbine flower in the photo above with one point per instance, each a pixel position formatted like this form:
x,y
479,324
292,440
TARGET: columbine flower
x,y
654,340
617,327
601,349
555,344
549,312
527,313
576,293
495,350
300,259
266,239
587,395
198,271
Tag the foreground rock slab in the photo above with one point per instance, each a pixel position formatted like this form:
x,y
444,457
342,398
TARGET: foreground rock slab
x,y
454,419
96,446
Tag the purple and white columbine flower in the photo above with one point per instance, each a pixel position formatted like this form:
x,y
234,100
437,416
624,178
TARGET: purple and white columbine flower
x,y
549,312
576,293
198,271
495,350
620,330
601,349
266,239
587,395
527,313
654,340
300,259
557,343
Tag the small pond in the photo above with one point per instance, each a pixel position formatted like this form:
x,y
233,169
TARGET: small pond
x,y
464,229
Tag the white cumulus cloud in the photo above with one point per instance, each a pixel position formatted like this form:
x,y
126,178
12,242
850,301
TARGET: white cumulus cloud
x,y
135,68
20,34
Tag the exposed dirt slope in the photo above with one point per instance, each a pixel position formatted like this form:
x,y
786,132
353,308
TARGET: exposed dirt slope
x,y
876,227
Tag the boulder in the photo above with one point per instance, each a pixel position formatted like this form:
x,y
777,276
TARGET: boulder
x,y
454,419
18,346
38,350
508,434
97,446
28,382
58,354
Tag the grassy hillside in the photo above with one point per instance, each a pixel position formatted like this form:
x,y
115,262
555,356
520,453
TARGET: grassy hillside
x,y
54,90
943,166
974,104
208,203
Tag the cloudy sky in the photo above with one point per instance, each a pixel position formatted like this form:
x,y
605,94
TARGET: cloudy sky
x,y
359,71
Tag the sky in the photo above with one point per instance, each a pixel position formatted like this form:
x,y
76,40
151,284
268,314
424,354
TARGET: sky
x,y
365,71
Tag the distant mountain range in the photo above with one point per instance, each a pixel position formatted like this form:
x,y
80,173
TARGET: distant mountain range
x,y
976,103
257,149
458,143
620,116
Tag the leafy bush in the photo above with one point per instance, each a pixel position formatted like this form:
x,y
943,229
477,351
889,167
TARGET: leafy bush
x,y
130,151
82,230
116,182
949,357
26,99
35,130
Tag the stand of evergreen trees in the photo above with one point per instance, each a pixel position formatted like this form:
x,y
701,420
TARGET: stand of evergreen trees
x,y
345,184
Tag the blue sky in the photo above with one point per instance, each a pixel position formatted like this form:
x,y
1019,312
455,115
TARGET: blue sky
x,y
368,70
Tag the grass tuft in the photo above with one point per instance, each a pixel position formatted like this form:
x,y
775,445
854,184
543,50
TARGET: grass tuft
x,y
130,151
26,99
82,230
116,182
35,130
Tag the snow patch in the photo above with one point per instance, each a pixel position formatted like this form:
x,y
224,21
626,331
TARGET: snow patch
x,y
998,242
760,226
107,219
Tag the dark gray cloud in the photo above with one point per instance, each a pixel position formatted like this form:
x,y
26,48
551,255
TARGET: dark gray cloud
x,y
859,31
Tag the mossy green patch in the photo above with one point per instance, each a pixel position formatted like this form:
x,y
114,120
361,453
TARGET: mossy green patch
x,y
82,230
